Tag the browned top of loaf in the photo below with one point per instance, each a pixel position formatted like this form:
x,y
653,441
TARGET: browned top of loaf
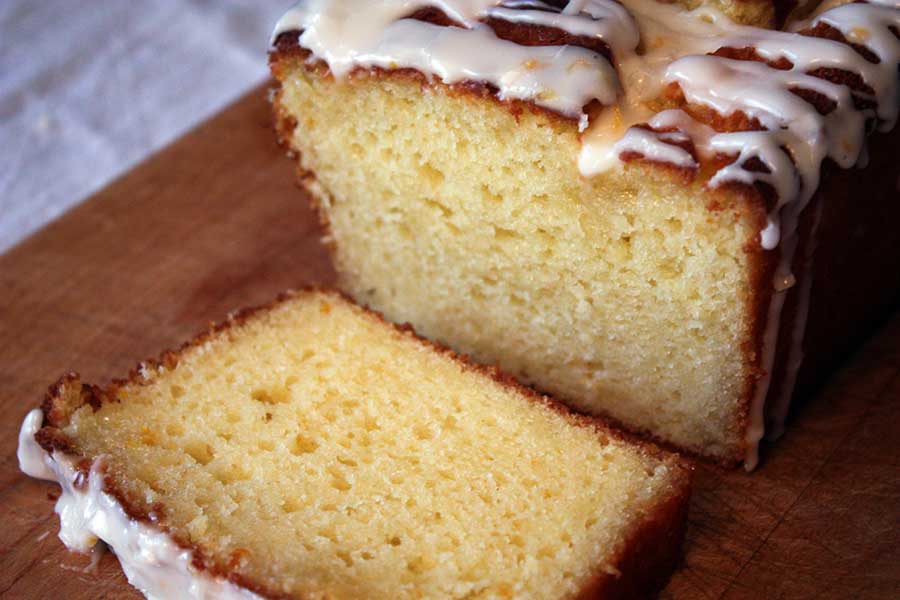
x,y
287,44
644,562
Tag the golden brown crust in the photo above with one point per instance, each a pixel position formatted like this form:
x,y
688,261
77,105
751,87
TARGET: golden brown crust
x,y
539,35
663,528
649,556
762,272
524,34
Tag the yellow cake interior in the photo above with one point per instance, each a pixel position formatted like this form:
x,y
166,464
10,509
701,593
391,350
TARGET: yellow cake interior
x,y
624,294
317,450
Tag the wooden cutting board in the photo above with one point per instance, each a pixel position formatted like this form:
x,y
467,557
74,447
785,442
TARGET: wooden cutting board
x,y
214,223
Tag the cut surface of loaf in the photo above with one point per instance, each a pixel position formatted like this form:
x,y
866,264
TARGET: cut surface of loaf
x,y
310,449
629,224
621,294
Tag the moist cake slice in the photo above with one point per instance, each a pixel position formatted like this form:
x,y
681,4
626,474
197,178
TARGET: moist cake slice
x,y
310,449
655,214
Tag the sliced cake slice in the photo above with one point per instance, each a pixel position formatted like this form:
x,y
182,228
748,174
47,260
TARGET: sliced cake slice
x,y
310,449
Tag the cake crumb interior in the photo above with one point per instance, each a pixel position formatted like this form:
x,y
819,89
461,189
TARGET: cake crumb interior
x,y
624,295
317,450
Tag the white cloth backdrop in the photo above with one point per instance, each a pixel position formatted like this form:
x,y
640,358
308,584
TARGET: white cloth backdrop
x,y
88,88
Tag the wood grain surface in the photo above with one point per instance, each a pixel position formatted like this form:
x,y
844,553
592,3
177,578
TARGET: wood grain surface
x,y
214,223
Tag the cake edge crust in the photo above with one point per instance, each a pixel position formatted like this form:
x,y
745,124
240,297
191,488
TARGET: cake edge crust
x,y
644,562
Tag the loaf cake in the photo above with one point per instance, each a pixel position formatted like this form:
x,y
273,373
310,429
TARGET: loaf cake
x,y
310,449
621,203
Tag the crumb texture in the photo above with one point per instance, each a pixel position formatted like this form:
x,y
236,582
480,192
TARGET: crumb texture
x,y
319,452
628,295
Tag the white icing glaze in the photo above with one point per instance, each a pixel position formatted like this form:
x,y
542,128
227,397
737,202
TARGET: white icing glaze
x,y
780,402
359,33
756,426
674,46
31,456
609,21
151,560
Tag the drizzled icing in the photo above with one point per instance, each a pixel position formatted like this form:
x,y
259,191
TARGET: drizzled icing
x,y
608,21
796,138
653,46
359,33
151,559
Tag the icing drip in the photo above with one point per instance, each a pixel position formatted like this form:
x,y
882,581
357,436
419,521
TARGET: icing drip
x,y
150,558
781,401
870,25
808,97
670,131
